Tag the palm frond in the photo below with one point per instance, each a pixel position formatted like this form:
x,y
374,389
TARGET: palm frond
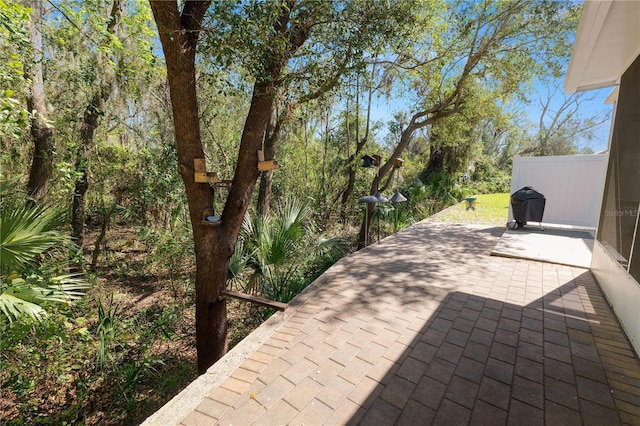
x,y
333,243
26,233
25,296
282,285
237,263
14,307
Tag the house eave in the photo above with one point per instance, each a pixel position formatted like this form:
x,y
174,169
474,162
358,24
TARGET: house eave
x,y
607,42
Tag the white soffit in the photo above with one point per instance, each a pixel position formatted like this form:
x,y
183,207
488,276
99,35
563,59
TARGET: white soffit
x,y
607,42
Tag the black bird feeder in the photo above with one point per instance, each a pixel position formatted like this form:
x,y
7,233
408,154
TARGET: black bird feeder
x,y
367,161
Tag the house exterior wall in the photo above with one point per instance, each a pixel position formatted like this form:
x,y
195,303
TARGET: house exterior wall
x,y
572,185
621,291
616,255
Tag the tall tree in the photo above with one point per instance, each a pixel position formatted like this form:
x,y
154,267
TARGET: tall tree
x,y
267,39
503,44
14,48
41,129
93,110
561,123
360,140
179,32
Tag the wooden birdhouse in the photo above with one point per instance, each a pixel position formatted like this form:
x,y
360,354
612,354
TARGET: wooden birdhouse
x,y
397,163
200,174
266,165
367,161
377,160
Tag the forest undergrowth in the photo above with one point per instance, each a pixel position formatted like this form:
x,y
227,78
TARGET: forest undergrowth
x,y
120,353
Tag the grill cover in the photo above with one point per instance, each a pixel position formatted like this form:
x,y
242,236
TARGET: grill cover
x,y
527,204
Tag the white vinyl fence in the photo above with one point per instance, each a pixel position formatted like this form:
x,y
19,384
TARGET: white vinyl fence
x,y
572,184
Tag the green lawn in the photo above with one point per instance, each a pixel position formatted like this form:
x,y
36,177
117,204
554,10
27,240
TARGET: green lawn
x,y
491,209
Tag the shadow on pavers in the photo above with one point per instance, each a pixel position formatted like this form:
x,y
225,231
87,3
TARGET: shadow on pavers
x,y
482,361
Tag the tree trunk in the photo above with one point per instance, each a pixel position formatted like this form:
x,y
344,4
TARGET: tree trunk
x,y
436,158
179,42
89,124
42,163
360,144
92,114
212,262
214,245
351,183
106,221
266,177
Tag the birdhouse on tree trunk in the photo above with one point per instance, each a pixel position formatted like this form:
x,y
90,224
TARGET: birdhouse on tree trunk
x,y
367,161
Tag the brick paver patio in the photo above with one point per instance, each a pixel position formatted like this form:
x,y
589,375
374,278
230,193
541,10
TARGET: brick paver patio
x,y
426,328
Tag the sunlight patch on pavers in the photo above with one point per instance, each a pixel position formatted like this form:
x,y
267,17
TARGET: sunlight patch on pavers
x,y
553,245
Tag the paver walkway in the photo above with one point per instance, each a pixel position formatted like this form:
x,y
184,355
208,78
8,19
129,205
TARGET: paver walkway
x,y
427,328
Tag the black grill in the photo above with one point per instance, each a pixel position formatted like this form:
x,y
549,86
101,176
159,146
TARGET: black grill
x,y
527,205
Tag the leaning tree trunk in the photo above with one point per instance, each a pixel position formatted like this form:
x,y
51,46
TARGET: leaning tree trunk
x,y
42,163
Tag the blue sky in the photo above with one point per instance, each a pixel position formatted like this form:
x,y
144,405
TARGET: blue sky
x,y
593,105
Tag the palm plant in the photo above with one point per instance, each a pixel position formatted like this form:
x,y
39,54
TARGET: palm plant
x,y
26,238
446,188
273,241
271,251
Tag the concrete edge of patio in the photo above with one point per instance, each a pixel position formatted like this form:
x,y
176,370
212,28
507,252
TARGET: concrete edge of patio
x,y
188,399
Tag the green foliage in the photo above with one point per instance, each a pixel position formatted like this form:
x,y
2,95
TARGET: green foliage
x,y
25,297
170,252
105,352
339,35
106,329
394,214
59,354
446,188
488,179
271,252
27,232
271,244
26,236
14,46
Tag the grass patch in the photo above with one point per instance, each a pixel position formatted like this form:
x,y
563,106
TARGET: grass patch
x,y
491,209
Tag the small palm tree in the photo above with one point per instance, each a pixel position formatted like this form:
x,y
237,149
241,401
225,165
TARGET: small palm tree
x,y
26,238
273,243
271,251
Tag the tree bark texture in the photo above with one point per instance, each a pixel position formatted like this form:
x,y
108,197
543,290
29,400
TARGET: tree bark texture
x,y
179,34
266,178
42,163
92,114
214,245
